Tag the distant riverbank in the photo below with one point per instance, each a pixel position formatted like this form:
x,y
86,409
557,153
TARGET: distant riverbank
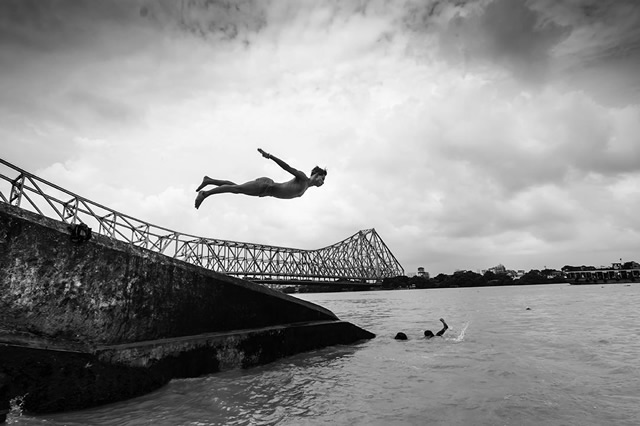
x,y
457,280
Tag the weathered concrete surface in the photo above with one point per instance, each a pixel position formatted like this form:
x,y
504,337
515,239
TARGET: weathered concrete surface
x,y
51,381
237,349
87,323
107,292
4,398
56,380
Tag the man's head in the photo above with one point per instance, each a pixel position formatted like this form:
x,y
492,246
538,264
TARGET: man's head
x,y
428,334
401,336
317,176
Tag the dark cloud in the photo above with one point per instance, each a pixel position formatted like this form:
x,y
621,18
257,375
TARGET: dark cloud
x,y
603,55
581,13
223,20
65,24
588,45
506,33
53,54
613,81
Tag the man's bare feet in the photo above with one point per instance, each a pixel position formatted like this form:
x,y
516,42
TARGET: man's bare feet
x,y
200,198
203,184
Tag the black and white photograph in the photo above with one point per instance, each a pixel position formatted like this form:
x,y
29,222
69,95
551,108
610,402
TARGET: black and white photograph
x,y
319,212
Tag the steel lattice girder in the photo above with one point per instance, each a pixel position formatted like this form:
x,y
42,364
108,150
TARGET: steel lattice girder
x,y
363,256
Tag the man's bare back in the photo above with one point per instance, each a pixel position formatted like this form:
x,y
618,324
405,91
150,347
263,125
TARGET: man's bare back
x,y
264,186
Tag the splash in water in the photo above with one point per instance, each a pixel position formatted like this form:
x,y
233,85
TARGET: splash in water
x,y
460,336
16,408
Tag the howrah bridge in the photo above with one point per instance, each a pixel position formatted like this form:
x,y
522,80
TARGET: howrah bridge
x,y
361,258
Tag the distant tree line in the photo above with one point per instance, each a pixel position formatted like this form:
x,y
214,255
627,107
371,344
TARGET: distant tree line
x,y
473,279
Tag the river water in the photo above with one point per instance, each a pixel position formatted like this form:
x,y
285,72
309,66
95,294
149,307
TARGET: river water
x,y
570,359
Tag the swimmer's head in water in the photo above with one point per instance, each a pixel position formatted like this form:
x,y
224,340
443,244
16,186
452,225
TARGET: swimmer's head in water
x,y
401,336
428,334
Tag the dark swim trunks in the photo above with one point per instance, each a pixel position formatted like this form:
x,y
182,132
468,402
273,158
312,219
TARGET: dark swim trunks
x,y
267,190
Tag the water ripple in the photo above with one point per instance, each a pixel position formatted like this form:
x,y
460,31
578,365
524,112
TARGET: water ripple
x,y
568,360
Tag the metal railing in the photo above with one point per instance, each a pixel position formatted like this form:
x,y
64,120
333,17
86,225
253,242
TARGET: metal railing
x,y
362,257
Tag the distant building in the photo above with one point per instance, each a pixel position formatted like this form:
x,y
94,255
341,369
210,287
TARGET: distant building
x,y
617,270
499,269
422,273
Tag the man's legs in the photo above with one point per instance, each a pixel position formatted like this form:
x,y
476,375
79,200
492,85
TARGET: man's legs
x,y
217,182
252,188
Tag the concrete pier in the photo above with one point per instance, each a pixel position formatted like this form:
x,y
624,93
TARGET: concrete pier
x,y
86,323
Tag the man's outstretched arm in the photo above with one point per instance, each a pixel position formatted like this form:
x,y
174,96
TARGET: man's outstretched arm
x,y
285,166
441,332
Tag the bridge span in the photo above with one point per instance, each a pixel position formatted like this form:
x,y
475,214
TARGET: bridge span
x,y
362,258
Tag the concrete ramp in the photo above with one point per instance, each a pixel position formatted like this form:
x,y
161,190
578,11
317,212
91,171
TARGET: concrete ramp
x,y
106,320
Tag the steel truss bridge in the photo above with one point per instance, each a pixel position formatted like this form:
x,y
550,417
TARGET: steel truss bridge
x,y
361,258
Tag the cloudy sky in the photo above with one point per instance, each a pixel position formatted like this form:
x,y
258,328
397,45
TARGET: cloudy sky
x,y
467,133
